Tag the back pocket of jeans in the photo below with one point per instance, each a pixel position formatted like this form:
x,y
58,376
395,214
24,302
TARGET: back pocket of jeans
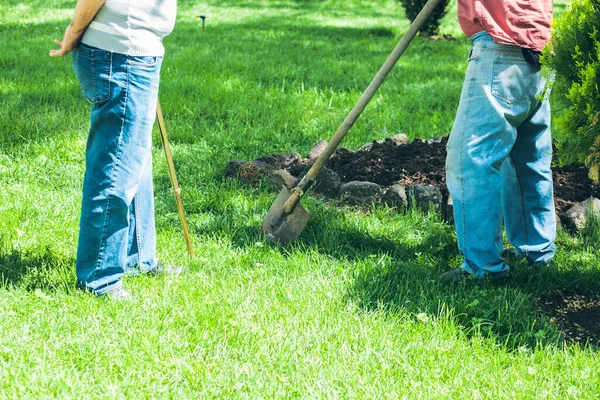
x,y
93,70
511,80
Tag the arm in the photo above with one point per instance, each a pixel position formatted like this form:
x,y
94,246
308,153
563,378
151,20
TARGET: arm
x,y
85,11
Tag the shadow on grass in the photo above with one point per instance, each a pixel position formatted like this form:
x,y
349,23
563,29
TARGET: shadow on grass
x,y
396,270
43,270
510,312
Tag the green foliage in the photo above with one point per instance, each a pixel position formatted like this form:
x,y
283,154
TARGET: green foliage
x,y
432,26
574,57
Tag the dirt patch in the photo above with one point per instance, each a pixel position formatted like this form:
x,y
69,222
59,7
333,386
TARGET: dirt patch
x,y
578,316
423,162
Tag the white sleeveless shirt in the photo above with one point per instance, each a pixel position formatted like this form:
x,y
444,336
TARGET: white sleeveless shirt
x,y
132,27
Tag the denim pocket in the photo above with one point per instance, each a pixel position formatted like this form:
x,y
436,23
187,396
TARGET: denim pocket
x,y
143,61
93,68
475,53
511,80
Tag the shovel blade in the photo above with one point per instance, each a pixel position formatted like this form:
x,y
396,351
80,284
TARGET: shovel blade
x,y
282,227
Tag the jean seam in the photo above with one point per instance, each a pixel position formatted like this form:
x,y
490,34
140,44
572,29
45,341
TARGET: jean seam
x,y
462,141
113,172
98,94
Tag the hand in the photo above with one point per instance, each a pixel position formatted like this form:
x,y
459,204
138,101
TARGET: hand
x,y
85,11
63,51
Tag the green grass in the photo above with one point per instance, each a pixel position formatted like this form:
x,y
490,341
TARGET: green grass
x,y
350,310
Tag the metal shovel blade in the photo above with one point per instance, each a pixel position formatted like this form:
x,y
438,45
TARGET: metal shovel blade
x,y
282,227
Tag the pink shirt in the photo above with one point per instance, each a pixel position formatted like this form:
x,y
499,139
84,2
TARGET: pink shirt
x,y
520,23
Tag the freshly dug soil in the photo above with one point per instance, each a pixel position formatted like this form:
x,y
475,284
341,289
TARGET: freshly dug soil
x,y
577,315
423,162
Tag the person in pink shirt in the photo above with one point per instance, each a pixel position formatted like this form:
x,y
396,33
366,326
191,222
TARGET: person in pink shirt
x,y
500,148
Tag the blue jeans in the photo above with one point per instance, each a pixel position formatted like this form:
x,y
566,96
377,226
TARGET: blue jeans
x,y
117,230
498,160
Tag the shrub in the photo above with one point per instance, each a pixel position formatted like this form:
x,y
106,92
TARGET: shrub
x,y
432,26
573,57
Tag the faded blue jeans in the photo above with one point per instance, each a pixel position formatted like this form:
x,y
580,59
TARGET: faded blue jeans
x,y
498,160
117,231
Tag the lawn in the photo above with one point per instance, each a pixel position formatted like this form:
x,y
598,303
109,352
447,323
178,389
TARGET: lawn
x,y
350,310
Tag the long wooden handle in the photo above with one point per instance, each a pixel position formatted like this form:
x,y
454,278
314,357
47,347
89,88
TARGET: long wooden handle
x,y
310,177
173,178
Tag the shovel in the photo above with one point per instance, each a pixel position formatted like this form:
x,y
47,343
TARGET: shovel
x,y
287,218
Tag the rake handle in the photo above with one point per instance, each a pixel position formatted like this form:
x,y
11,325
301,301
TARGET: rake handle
x,y
361,104
173,178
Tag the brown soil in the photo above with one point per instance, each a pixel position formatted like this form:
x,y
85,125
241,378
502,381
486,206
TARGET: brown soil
x,y
423,162
577,315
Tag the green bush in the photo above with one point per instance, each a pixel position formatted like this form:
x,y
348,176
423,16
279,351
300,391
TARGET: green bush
x,y
432,26
573,57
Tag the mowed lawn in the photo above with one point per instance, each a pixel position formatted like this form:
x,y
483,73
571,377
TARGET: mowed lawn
x,y
352,309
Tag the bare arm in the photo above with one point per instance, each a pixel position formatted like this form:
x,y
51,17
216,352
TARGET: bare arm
x,y
85,11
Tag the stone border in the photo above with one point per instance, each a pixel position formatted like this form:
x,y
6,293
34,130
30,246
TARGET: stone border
x,y
286,169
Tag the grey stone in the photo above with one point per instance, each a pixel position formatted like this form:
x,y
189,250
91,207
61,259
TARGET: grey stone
x,y
396,197
327,183
278,161
576,217
435,140
317,149
399,140
360,193
267,162
426,197
280,178
287,159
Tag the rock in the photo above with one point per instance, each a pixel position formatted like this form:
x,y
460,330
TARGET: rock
x,y
317,149
280,178
269,162
278,161
300,168
436,140
425,197
360,193
285,160
399,140
327,183
233,168
576,217
396,197
253,172
247,172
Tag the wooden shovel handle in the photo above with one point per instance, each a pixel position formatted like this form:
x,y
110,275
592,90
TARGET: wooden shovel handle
x,y
367,95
